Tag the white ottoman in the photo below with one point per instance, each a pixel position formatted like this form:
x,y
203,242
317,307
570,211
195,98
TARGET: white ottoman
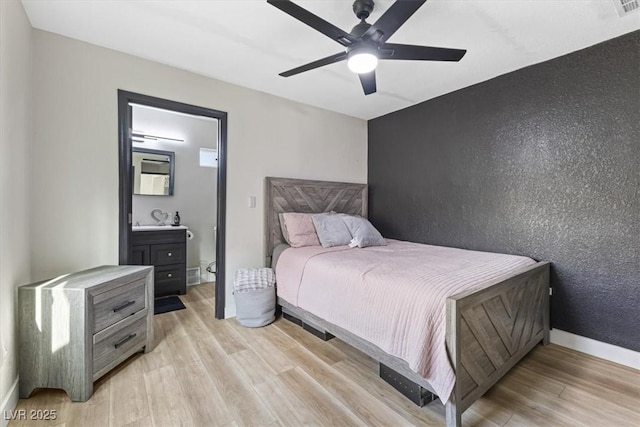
x,y
255,294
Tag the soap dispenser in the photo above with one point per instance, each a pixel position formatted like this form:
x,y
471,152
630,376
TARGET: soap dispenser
x,y
176,219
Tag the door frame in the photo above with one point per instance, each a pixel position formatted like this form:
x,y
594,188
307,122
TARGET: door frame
x,y
126,179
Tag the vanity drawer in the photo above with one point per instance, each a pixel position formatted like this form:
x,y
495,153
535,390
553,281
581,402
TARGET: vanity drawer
x,y
169,279
113,345
114,305
168,254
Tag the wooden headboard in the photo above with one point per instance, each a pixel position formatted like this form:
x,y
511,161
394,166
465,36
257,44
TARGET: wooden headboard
x,y
301,195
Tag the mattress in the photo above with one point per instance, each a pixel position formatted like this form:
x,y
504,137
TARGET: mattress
x,y
392,296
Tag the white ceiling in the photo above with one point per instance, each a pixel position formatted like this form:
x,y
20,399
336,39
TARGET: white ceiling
x,y
248,42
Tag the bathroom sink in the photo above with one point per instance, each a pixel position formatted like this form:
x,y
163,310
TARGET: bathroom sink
x,y
157,227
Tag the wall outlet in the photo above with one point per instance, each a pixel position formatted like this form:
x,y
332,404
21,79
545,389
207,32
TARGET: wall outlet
x,y
251,201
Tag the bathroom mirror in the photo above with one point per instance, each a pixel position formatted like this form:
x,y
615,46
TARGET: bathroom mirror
x,y
153,172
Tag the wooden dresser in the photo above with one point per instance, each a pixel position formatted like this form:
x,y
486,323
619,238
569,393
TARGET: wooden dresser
x,y
166,250
75,328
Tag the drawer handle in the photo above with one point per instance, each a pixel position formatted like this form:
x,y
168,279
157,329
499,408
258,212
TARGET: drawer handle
x,y
169,275
124,340
169,254
123,306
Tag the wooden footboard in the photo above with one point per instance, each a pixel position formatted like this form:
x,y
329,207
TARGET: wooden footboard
x,y
491,329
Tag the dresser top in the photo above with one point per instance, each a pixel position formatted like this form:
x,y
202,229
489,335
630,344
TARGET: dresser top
x,y
92,277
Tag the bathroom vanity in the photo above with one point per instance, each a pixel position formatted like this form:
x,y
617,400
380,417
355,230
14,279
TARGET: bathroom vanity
x,y
164,247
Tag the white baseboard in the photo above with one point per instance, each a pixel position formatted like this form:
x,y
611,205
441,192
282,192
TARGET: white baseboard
x,y
9,404
230,311
609,352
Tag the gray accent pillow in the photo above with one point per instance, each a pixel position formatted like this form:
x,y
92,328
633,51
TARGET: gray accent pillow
x,y
363,232
331,230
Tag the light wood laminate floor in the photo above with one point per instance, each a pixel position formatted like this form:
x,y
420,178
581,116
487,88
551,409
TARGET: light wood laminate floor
x,y
207,372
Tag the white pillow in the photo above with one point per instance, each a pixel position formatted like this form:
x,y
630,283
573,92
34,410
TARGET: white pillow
x,y
331,230
363,232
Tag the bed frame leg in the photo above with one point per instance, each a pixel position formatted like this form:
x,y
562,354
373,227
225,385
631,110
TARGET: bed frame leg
x,y
412,391
323,335
453,416
291,318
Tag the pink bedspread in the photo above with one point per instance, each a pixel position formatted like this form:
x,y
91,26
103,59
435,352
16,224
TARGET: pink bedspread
x,y
392,296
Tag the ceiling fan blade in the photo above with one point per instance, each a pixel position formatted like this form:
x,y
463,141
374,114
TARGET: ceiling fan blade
x,y
420,53
316,64
392,19
368,81
314,21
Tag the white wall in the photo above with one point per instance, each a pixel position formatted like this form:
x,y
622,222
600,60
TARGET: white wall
x,y
74,199
15,124
195,189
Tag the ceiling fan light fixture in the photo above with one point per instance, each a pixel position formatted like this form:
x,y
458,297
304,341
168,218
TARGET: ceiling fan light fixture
x,y
368,43
362,61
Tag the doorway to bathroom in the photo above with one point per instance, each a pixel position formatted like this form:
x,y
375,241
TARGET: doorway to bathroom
x,y
173,170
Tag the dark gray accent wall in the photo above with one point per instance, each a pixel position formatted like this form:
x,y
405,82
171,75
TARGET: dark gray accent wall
x,y
542,162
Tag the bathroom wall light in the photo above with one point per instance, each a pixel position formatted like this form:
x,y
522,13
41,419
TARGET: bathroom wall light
x,y
137,136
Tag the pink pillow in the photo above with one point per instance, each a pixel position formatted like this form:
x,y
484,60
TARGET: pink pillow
x,y
298,229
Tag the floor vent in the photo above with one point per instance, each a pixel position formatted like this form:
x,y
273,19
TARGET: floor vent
x,y
193,276
625,7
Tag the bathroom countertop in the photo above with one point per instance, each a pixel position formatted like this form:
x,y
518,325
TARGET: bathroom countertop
x,y
158,227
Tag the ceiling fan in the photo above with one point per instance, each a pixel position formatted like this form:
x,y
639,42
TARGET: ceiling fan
x,y
367,43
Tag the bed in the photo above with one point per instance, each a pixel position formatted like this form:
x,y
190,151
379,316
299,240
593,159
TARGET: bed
x,y
487,328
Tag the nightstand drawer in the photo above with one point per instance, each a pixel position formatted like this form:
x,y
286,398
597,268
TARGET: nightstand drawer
x,y
168,254
112,306
113,345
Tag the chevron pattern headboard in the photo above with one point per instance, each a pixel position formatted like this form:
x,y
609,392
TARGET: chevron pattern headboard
x,y
301,195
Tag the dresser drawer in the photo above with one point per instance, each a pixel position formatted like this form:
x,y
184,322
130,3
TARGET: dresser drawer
x,y
113,345
169,279
168,254
112,306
